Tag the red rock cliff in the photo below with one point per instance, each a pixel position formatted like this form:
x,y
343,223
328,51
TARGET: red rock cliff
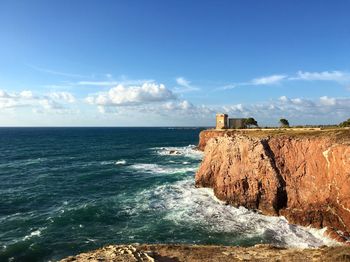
x,y
304,176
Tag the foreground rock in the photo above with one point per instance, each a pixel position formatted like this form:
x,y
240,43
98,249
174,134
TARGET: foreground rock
x,y
303,176
194,253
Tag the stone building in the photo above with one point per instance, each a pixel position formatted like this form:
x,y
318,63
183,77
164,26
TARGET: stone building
x,y
236,123
221,121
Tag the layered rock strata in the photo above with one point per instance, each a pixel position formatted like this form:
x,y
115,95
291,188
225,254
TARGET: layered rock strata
x,y
304,176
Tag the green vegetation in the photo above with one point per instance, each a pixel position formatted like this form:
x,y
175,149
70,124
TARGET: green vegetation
x,y
250,122
284,122
345,123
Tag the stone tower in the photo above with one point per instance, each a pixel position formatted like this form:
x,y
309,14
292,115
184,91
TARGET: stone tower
x,y
221,121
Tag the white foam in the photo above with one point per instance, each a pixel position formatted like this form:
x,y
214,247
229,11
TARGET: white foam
x,y
89,240
158,169
35,233
187,151
185,204
110,162
120,162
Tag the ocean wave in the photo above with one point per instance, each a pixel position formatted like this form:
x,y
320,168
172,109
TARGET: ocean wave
x,y
183,204
104,163
35,233
113,162
24,162
187,151
158,169
120,162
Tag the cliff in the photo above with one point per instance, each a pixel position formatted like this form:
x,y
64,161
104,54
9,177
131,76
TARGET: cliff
x,y
302,175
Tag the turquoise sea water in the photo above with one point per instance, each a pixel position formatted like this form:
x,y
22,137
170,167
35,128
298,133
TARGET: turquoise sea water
x,y
69,190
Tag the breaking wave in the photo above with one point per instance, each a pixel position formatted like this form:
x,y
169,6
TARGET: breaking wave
x,y
158,169
185,204
112,162
187,151
120,162
35,233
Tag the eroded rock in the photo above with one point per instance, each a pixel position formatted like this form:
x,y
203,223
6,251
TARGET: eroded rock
x,y
305,178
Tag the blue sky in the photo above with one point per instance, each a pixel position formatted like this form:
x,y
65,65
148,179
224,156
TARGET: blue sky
x,y
173,63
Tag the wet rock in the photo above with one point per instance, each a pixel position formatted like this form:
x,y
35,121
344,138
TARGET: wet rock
x,y
174,152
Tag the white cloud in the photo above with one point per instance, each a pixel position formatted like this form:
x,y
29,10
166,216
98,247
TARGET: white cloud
x,y
132,95
26,94
337,76
3,94
340,77
297,101
234,108
180,105
177,112
284,99
184,86
101,109
139,101
8,103
184,111
299,110
183,82
261,81
328,101
53,101
50,104
268,80
13,100
64,96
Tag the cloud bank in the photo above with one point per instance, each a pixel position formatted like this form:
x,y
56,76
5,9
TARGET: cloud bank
x,y
151,101
54,101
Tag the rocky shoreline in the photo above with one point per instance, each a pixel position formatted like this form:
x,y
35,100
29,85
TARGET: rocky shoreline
x,y
302,175
208,253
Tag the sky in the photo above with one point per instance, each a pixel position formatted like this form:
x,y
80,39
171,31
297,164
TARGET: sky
x,y
174,62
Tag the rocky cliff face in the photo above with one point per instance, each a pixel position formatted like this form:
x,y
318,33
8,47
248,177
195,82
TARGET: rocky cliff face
x,y
302,176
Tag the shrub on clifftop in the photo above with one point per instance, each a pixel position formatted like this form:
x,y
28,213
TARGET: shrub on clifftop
x,y
250,122
345,123
284,122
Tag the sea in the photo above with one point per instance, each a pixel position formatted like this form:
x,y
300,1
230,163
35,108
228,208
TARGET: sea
x,y
68,190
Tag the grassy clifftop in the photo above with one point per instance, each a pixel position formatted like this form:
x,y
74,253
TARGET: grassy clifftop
x,y
338,135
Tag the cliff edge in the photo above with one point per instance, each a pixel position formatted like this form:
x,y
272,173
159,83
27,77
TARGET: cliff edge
x,y
200,253
303,175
